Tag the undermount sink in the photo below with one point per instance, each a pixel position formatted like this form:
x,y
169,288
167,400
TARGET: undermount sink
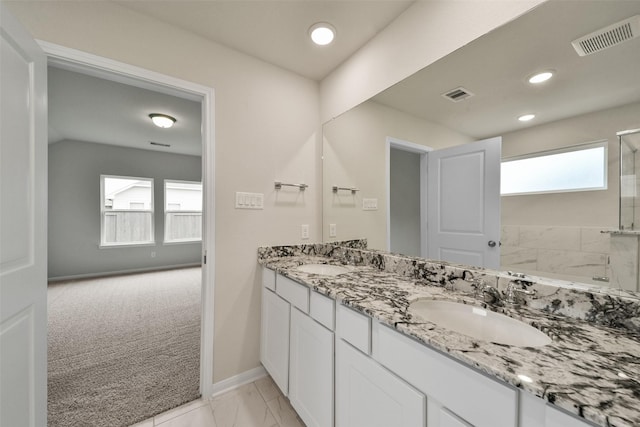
x,y
322,269
478,323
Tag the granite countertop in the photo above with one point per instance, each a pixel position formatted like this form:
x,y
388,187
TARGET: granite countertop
x,y
588,370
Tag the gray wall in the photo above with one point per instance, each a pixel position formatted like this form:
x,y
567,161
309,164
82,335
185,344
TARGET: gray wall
x,y
405,202
74,208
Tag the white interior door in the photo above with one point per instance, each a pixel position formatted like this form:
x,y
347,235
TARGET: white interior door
x,y
464,204
23,231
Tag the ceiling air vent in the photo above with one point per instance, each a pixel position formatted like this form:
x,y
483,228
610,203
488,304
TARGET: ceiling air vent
x,y
457,94
608,36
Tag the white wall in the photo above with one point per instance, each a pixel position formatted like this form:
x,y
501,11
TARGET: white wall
x,y
266,128
425,32
74,207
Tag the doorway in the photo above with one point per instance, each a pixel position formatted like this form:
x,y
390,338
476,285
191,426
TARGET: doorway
x,y
406,197
115,71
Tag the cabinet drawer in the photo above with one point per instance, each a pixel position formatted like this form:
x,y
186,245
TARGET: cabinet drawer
x,y
322,309
474,397
355,328
295,293
268,278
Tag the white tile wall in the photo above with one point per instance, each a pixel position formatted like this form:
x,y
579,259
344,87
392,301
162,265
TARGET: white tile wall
x,y
581,252
540,237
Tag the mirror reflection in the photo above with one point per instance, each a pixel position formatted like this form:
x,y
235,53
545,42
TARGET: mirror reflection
x,y
375,152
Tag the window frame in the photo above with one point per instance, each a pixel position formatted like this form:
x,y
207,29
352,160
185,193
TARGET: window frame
x,y
166,240
103,211
572,148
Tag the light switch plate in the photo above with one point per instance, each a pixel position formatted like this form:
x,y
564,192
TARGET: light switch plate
x,y
249,200
332,230
304,233
369,204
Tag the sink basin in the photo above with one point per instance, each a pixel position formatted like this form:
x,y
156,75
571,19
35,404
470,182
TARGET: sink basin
x,y
323,269
478,323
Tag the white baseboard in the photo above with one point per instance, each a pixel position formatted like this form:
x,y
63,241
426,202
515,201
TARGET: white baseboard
x,y
237,380
121,272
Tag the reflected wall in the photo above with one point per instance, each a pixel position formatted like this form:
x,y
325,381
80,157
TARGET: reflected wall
x,y
355,155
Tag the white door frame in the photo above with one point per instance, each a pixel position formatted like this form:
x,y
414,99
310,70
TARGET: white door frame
x,y
423,151
140,77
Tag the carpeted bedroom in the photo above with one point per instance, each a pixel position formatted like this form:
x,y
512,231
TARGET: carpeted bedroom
x,y
122,348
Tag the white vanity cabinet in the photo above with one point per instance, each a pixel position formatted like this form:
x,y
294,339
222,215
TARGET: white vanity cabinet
x,y
366,374
380,364
367,394
456,395
296,346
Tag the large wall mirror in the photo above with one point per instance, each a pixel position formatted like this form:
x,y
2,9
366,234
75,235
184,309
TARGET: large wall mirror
x,y
373,152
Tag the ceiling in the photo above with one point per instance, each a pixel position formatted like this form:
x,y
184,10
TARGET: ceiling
x,y
91,109
495,68
277,31
87,108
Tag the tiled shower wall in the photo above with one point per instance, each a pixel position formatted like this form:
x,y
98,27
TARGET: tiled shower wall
x,y
629,184
571,253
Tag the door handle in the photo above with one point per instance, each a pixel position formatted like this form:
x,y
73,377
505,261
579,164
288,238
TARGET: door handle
x,y
492,244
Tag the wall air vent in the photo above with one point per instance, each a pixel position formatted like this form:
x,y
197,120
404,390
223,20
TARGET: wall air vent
x,y
608,36
457,94
159,144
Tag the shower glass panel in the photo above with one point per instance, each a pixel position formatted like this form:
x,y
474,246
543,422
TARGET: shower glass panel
x,y
629,179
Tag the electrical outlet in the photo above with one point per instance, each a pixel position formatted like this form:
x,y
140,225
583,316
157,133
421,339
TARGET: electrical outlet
x,y
304,231
332,230
153,254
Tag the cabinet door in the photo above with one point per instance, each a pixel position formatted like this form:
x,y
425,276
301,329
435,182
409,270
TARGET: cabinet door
x,y
556,418
367,395
274,338
311,370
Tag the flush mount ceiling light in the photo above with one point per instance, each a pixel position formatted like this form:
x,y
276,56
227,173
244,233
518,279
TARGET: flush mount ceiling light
x,y
540,77
526,117
162,120
322,33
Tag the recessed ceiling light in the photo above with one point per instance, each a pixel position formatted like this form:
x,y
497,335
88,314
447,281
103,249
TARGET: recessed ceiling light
x,y
526,117
322,33
541,77
162,120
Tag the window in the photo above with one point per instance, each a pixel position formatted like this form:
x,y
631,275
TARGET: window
x,y
183,211
126,210
577,168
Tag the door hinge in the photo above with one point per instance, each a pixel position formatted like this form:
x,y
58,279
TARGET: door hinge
x,y
205,257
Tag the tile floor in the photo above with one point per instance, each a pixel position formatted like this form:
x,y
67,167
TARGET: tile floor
x,y
258,404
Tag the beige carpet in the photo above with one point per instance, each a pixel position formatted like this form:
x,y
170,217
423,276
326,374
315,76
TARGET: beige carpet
x,y
124,348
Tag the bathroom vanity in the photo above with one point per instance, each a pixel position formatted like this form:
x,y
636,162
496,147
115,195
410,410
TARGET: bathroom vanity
x,y
341,338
